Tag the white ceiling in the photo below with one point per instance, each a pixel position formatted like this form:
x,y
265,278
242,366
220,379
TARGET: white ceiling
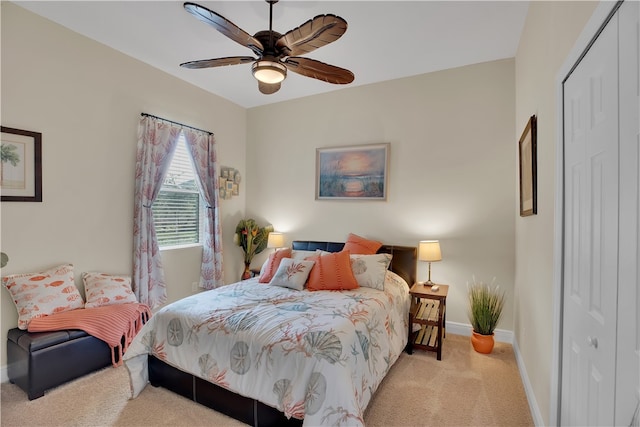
x,y
385,39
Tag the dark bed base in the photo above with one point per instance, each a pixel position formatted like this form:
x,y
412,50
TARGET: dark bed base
x,y
244,409
241,408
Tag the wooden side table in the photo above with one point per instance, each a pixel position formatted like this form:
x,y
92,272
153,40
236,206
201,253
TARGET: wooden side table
x,y
428,309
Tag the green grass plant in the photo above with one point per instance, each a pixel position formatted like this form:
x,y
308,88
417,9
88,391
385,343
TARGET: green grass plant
x,y
485,307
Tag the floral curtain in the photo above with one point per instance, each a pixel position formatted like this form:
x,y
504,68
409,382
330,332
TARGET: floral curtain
x,y
156,142
201,145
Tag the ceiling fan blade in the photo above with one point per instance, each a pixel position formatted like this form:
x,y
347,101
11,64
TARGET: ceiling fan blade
x,y
225,26
218,62
267,88
319,70
315,33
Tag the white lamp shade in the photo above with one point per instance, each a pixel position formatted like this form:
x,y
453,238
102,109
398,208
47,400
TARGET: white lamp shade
x,y
429,250
275,240
269,72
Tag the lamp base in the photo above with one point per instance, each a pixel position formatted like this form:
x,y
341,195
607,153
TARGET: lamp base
x,y
429,282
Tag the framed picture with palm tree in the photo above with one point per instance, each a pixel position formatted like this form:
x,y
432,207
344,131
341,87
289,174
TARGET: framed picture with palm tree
x,y
21,166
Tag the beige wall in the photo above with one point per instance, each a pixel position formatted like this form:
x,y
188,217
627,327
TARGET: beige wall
x,y
551,29
86,99
451,170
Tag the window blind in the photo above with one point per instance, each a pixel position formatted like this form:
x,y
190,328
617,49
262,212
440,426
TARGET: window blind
x,y
177,209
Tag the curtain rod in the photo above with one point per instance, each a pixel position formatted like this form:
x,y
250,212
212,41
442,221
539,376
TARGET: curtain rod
x,y
176,123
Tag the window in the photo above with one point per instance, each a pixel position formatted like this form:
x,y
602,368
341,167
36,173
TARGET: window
x,y
177,211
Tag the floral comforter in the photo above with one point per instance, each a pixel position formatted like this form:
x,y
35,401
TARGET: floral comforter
x,y
314,355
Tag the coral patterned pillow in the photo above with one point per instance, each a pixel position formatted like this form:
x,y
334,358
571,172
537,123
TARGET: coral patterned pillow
x,y
332,272
271,265
102,289
359,245
40,294
370,270
292,273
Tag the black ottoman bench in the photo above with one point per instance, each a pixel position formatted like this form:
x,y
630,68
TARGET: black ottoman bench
x,y
38,361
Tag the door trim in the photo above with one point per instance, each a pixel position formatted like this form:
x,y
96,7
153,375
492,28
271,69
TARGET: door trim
x,y
600,17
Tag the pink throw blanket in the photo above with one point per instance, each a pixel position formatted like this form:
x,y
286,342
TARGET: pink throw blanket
x,y
114,324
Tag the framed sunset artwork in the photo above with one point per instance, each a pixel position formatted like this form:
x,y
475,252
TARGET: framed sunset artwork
x,y
357,172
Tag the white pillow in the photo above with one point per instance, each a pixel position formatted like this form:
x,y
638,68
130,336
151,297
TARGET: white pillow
x,y
292,273
370,270
298,254
102,289
41,294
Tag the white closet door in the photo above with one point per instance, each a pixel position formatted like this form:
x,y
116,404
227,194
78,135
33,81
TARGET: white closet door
x,y
591,235
628,360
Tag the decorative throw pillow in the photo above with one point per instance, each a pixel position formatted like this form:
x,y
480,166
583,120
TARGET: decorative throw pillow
x,y
40,294
292,273
105,289
359,245
295,254
301,254
331,272
370,270
271,265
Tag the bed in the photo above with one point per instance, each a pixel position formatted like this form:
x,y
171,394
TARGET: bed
x,y
268,355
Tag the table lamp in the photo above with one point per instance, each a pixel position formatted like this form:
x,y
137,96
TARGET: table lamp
x,y
429,250
275,240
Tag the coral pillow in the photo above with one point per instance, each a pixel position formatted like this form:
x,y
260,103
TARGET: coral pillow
x,y
271,266
359,245
104,289
292,273
40,294
331,272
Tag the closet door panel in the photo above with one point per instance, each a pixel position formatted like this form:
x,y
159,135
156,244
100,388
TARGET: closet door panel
x,y
628,355
591,235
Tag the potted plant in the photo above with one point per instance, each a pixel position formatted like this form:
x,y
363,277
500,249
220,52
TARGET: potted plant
x,y
252,239
485,308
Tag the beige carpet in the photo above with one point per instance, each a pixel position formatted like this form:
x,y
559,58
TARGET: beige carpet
x,y
463,389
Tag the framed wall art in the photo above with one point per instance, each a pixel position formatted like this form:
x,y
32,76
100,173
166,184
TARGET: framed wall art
x,y
229,183
21,167
357,172
528,169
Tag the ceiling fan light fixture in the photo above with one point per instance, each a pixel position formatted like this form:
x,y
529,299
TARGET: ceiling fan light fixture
x,y
269,72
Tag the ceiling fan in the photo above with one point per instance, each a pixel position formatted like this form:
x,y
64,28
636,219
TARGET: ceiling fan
x,y
276,52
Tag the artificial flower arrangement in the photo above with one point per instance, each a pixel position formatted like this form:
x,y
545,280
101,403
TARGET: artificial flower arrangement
x,y
252,239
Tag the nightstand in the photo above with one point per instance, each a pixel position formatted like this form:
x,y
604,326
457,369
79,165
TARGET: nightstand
x,y
428,309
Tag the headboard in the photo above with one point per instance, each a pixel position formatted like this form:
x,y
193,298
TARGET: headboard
x,y
403,262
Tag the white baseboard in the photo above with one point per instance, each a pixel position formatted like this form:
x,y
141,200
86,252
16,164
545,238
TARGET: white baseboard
x,y
502,335
533,403
465,329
